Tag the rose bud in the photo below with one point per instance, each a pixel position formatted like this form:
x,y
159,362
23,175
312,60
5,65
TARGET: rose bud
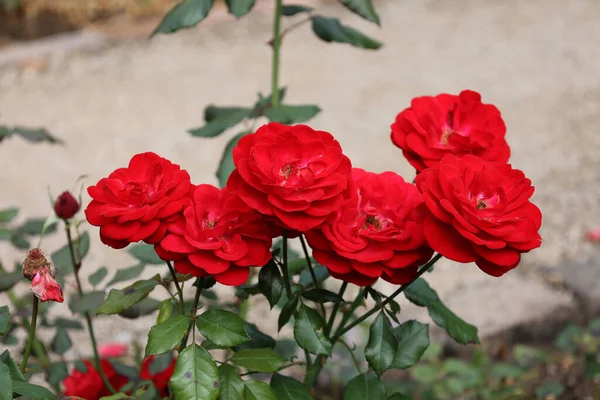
x,y
66,206
35,262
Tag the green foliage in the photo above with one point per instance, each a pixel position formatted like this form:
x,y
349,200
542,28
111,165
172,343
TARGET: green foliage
x,y
166,336
286,388
232,386
286,114
118,300
308,335
34,135
382,344
365,387
270,283
145,254
98,276
260,360
61,342
364,8
4,320
185,14
88,303
226,165
290,10
256,390
196,375
332,30
126,274
322,296
223,328
239,8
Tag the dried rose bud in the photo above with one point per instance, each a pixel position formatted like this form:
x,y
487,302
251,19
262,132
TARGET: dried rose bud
x,y
35,262
45,287
66,206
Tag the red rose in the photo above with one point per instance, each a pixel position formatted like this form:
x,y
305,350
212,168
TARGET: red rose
x,y
447,124
218,235
376,233
480,211
160,378
294,174
133,203
89,385
66,206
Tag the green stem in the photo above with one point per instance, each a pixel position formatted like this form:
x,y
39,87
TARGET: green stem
x,y
312,271
336,307
88,318
284,266
192,325
401,289
351,351
276,53
176,282
31,338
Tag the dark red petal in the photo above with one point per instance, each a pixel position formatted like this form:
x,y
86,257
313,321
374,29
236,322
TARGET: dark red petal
x,y
234,276
447,241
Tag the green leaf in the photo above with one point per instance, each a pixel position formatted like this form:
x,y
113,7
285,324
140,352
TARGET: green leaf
x,y
232,386
4,320
186,14
6,234
31,391
364,8
144,307
219,125
166,336
226,165
256,390
165,310
19,241
15,372
239,8
260,360
548,388
80,366
382,344
307,335
286,312
365,387
127,274
145,253
292,9
34,226
6,389
118,300
62,257
286,114
221,327
286,388
332,30
5,131
88,303
213,112
270,283
61,342
8,280
57,372
567,338
306,280
66,323
8,214
264,102
399,396
36,135
425,374
421,294
98,276
414,340
258,339
196,375
322,296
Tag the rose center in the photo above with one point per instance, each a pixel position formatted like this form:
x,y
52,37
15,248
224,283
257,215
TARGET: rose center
x,y
287,170
208,224
374,222
135,193
481,204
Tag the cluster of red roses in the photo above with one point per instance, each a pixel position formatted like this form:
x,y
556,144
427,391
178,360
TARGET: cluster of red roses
x,y
467,203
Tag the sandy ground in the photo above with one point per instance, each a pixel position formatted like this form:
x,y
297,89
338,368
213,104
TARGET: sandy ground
x,y
537,60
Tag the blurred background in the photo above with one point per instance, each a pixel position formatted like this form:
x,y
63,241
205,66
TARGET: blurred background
x,y
87,71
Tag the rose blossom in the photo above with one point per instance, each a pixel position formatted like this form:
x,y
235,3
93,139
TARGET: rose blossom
x,y
160,379
66,206
89,385
376,233
293,174
133,203
110,350
447,124
480,211
217,235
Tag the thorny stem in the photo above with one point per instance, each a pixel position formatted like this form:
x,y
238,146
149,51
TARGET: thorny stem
x,y
276,53
312,271
336,307
176,282
292,27
88,318
31,337
401,289
351,351
284,265
280,369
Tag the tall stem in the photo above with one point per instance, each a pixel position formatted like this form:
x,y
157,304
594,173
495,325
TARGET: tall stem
x,y
401,289
176,282
276,53
284,266
336,307
76,267
31,338
312,272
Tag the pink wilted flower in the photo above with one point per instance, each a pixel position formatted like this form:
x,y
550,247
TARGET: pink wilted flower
x,y
40,271
111,350
593,235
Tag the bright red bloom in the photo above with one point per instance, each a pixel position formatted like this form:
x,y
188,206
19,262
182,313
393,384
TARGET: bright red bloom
x,y
110,350
433,127
89,385
593,235
133,203
294,174
376,233
218,235
161,378
45,287
480,211
66,206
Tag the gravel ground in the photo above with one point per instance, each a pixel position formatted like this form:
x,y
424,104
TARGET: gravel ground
x,y
537,60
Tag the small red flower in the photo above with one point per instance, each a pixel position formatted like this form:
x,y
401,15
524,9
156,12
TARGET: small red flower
x,y
133,203
66,206
593,235
433,127
480,211
111,350
89,385
218,235
376,233
161,378
293,174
